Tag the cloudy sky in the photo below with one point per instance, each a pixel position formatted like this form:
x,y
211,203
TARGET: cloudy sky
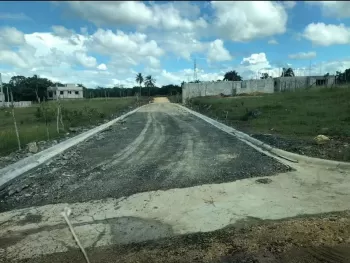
x,y
107,43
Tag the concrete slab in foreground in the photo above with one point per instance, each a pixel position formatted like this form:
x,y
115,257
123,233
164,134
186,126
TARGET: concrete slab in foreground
x,y
36,231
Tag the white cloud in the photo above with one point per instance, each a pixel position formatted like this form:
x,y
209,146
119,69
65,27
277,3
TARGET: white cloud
x,y
12,58
182,44
153,62
107,42
303,55
118,13
55,54
13,16
102,67
45,42
333,66
244,21
85,60
255,59
338,9
289,4
169,16
61,31
10,36
272,42
186,75
326,35
217,51
253,66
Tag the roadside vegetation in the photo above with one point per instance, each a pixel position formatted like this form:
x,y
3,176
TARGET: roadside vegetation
x,y
289,120
39,122
175,98
48,120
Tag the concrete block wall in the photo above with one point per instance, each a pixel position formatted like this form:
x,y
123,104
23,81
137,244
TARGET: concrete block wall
x,y
256,85
231,88
291,83
191,90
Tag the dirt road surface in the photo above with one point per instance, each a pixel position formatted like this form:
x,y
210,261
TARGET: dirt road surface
x,y
160,174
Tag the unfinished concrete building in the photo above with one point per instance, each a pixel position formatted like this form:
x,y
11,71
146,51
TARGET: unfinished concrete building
x,y
68,91
293,83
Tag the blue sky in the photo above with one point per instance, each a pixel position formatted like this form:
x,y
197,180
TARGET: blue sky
x,y
107,43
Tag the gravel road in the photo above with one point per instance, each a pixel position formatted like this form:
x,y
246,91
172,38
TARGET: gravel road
x,y
158,148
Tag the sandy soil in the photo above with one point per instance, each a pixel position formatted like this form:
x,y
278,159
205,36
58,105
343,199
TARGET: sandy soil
x,y
319,238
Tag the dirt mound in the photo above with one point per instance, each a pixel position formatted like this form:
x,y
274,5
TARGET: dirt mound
x,y
160,100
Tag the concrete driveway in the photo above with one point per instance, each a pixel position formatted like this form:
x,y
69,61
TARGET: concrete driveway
x,y
162,173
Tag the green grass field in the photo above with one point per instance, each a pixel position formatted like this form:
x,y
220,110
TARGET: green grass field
x,y
31,122
303,113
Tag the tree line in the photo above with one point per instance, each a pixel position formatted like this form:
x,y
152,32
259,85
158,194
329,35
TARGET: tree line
x,y
35,88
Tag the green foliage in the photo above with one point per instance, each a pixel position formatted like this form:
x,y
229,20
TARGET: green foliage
x,y
342,78
24,88
232,76
301,113
287,72
265,76
139,78
32,121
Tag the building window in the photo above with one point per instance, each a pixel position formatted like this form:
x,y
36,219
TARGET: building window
x,y
77,93
69,92
61,92
320,82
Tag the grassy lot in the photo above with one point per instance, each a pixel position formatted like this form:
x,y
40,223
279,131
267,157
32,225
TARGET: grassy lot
x,y
31,121
302,114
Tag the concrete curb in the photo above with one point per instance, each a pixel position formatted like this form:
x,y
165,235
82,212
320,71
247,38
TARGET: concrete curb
x,y
292,157
13,170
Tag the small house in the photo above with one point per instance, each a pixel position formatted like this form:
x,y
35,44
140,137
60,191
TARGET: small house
x,y
67,91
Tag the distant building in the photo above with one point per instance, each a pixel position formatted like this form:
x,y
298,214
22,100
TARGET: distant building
x,y
68,91
300,82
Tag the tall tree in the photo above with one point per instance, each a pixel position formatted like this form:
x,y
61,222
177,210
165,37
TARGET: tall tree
x,y
139,80
232,76
31,88
265,76
287,72
150,83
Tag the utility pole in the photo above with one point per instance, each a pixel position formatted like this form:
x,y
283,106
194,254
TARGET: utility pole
x,y
310,68
195,70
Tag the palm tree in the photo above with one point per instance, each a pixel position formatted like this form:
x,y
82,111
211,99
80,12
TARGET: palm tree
x,y
232,76
149,82
139,79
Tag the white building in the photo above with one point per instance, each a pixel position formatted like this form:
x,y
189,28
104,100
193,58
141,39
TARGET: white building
x,y
69,91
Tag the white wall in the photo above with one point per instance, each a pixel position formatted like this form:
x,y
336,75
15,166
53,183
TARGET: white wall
x,y
191,90
67,94
231,88
17,104
256,85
